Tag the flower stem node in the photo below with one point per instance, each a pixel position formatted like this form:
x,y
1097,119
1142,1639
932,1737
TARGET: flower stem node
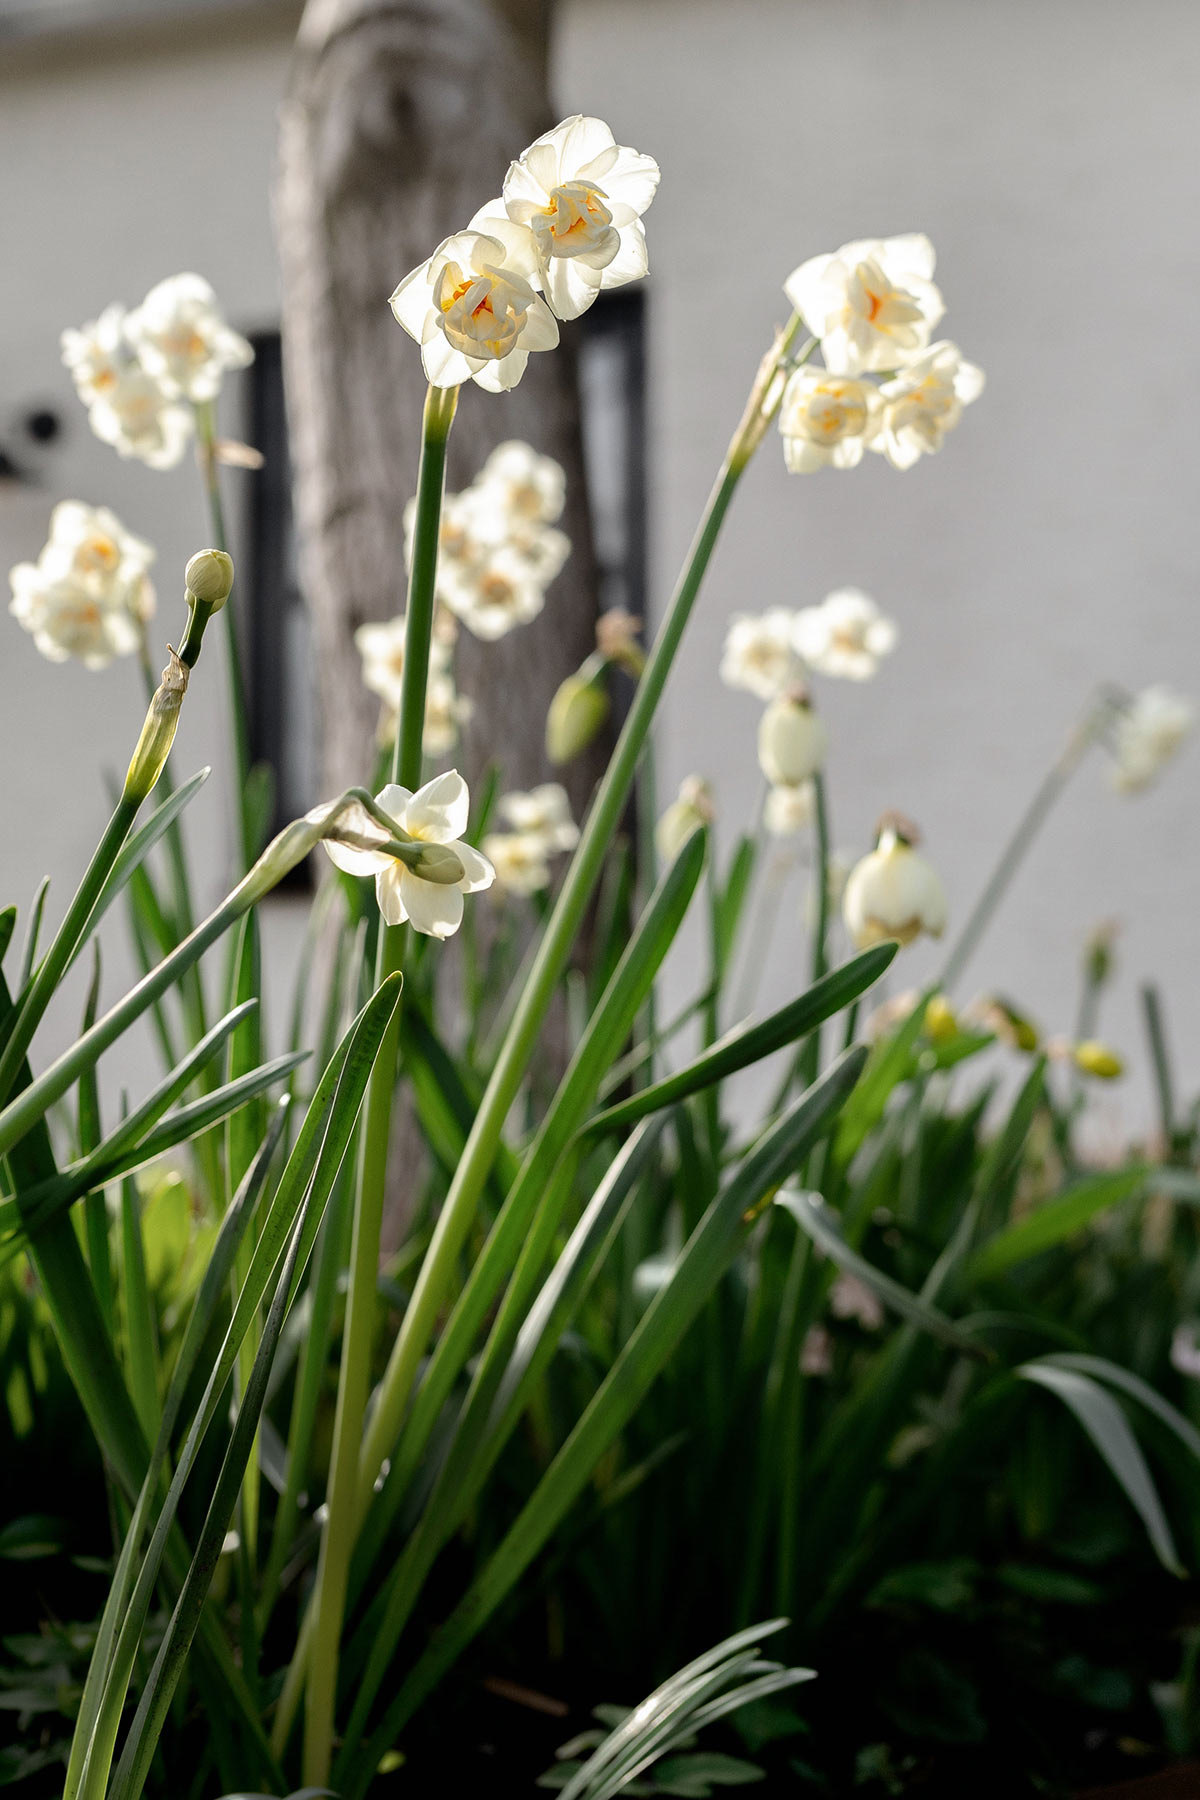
x,y
158,731
209,579
792,740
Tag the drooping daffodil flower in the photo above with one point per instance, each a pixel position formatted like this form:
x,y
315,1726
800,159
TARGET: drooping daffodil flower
x,y
422,868
893,893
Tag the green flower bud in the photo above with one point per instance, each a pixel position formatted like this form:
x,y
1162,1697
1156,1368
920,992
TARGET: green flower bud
x,y
577,712
209,578
1095,1058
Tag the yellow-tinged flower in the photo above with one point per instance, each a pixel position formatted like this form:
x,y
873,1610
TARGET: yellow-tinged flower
x,y
893,893
941,1021
543,813
792,741
872,303
827,421
182,341
494,596
89,593
436,816
127,407
472,307
845,636
520,861
381,647
924,402
580,195
760,653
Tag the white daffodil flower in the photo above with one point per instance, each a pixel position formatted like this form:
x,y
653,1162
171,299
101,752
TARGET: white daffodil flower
x,y
792,741
924,402
760,653
846,636
580,195
692,808
543,813
182,340
1147,734
789,809
893,893
520,860
436,814
126,406
826,421
89,594
472,306
494,598
381,647
872,303
523,484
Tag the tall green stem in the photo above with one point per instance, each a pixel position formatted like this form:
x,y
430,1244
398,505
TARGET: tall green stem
x,y
337,1540
206,440
1017,847
438,1266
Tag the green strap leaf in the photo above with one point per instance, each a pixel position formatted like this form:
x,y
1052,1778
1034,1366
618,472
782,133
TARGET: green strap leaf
x,y
1108,1428
820,1223
1053,1221
750,1043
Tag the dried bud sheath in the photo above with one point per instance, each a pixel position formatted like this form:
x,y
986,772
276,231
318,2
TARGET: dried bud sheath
x,y
158,731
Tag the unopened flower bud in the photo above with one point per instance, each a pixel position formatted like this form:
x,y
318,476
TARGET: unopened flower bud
x,y
791,741
940,1019
158,731
692,808
1098,953
577,712
1094,1058
893,893
209,578
616,640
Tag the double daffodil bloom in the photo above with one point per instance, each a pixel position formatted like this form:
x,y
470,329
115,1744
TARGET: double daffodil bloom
x,y
1147,734
873,303
923,402
581,196
472,307
845,636
89,593
182,340
827,421
425,888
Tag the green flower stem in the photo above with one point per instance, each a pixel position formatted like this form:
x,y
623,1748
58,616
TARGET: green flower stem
x,y
354,1380
206,440
437,1270
1017,847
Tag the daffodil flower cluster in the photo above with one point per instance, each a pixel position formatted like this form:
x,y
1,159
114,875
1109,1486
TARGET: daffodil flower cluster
x,y
498,547
140,372
541,827
446,710
872,306
88,595
566,225
771,655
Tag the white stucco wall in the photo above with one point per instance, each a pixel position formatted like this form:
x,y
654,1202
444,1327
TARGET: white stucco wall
x,y
1049,147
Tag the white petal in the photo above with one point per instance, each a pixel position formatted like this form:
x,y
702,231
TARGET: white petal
x,y
389,891
579,141
438,811
498,377
631,261
523,192
633,179
356,862
393,800
968,382
570,290
478,872
444,366
520,251
805,288
412,300
541,328
433,907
